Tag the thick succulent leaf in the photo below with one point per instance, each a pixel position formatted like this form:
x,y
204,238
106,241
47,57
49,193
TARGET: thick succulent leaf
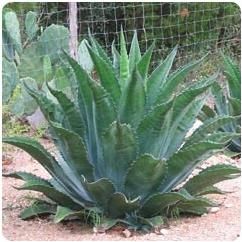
x,y
160,201
186,108
210,126
124,62
210,190
197,206
211,176
84,58
132,101
51,111
134,53
119,205
175,79
144,176
63,213
73,151
85,98
232,73
106,75
12,27
98,49
38,208
31,26
221,137
71,113
116,60
119,150
10,78
235,106
158,78
38,184
144,63
38,152
151,131
35,149
206,113
105,224
100,190
182,163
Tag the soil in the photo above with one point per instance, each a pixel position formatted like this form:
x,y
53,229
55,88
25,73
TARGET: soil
x,y
222,223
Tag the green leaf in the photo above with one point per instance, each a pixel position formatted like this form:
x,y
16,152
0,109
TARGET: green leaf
x,y
208,127
175,79
144,63
12,27
119,150
211,176
182,163
160,201
105,224
119,205
53,41
98,48
47,68
63,213
10,78
158,78
235,106
84,58
100,190
38,184
116,60
31,26
149,172
206,113
107,75
38,208
151,131
71,113
35,149
134,53
233,75
124,62
73,151
132,101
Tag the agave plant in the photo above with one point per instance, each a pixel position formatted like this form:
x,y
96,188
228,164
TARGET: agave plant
x,y
122,145
227,102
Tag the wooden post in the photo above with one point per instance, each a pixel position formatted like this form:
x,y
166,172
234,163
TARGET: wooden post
x,y
73,41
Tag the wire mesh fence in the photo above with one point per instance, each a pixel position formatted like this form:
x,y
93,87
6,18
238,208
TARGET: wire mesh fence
x,y
195,27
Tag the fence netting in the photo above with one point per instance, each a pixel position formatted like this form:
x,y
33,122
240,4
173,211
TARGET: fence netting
x,y
196,27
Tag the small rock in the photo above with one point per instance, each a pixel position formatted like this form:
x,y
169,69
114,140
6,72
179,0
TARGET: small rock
x,y
214,210
164,231
126,233
204,215
228,205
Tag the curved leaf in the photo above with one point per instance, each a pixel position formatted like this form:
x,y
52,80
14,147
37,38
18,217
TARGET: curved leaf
x,y
158,78
100,190
106,75
211,176
119,205
38,208
71,113
73,151
182,163
134,53
119,150
132,101
124,62
64,212
144,176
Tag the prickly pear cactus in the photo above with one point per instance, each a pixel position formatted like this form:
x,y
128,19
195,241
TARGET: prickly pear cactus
x,y
31,26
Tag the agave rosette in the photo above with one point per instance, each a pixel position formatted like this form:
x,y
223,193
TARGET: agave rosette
x,y
122,141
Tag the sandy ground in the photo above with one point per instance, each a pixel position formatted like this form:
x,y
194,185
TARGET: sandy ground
x,y
221,225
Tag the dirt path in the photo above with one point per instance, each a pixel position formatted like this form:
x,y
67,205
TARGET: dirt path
x,y
221,225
